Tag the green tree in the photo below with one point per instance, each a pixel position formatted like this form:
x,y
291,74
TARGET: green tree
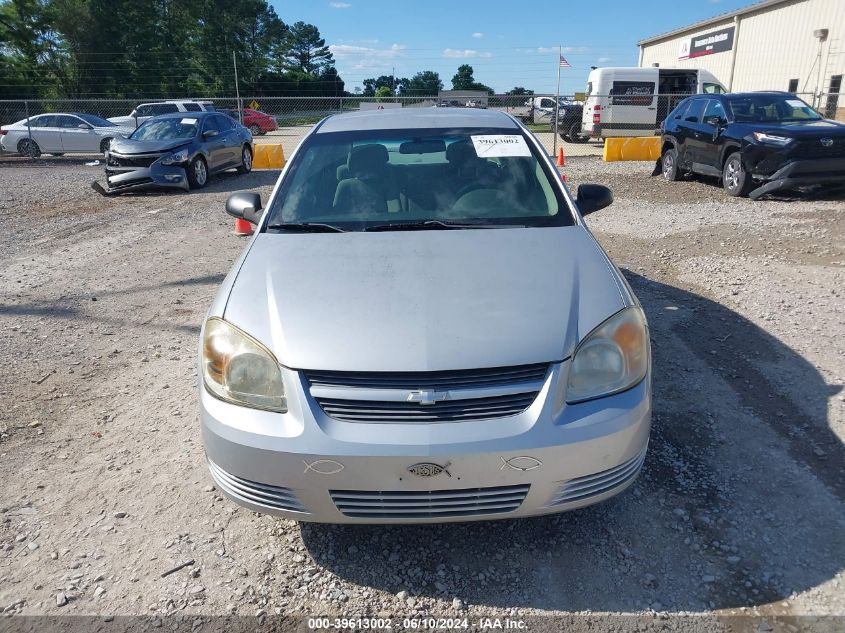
x,y
519,90
464,80
305,51
424,83
383,92
371,85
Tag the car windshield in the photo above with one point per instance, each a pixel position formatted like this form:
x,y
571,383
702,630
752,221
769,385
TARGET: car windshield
x,y
166,129
765,108
95,120
426,178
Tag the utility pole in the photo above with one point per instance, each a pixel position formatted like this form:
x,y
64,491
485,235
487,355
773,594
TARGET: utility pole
x,y
237,90
557,100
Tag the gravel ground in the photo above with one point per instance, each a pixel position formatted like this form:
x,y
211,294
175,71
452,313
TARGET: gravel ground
x,y
740,508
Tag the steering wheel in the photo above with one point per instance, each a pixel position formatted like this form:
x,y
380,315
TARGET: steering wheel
x,y
473,186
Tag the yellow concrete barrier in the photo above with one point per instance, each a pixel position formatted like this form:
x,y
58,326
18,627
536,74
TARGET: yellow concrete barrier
x,y
632,148
268,156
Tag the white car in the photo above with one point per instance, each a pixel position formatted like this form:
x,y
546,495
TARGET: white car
x,y
146,111
60,133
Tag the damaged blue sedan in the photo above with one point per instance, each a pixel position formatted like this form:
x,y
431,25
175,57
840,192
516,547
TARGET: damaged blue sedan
x,y
179,150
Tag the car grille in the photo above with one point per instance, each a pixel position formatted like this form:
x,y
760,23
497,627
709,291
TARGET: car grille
x,y
129,160
462,395
599,483
429,504
445,411
812,148
264,495
468,378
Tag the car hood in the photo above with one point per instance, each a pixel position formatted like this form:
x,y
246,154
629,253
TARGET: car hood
x,y
423,300
804,129
128,146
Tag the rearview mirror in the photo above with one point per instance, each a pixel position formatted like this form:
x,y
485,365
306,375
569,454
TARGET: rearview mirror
x,y
422,147
245,205
210,134
593,197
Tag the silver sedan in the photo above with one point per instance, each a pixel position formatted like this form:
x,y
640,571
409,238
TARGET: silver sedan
x,y
61,133
423,329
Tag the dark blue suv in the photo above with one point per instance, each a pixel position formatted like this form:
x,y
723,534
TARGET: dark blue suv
x,y
756,142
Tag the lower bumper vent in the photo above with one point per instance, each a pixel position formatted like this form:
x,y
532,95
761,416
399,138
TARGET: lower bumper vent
x,y
265,495
429,504
598,483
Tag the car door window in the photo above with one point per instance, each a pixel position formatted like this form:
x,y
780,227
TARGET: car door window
x,y
45,120
713,89
144,110
210,124
224,124
68,122
192,107
713,108
694,111
679,112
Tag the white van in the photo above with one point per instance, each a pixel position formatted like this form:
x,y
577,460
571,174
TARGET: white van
x,y
635,101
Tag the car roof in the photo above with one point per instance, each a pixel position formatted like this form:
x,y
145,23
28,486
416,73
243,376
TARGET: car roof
x,y
187,115
417,118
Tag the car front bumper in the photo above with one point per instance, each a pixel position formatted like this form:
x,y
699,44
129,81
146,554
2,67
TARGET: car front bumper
x,y
306,466
801,173
155,176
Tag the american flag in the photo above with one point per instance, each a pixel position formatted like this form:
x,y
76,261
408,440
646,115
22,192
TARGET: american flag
x,y
564,63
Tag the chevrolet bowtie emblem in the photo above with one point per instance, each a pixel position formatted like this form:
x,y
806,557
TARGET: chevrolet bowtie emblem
x,y
427,396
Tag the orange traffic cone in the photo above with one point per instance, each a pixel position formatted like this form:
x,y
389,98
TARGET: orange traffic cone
x,y
560,160
242,227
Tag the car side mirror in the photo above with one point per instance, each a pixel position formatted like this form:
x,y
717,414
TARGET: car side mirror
x,y
715,121
593,197
210,134
84,126
245,205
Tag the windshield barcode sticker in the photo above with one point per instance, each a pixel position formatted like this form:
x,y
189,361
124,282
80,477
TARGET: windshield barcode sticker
x,y
492,145
188,121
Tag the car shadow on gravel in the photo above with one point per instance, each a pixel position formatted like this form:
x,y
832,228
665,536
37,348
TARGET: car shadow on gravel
x,y
740,502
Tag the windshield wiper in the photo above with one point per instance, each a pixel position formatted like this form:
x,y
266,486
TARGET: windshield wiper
x,y
306,227
423,225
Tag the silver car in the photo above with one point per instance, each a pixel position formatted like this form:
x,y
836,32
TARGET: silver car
x,y
422,329
61,133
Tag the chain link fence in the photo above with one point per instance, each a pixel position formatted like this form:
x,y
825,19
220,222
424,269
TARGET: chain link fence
x,y
286,120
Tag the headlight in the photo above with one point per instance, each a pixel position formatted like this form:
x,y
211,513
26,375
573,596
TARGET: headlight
x,y
772,139
239,369
176,157
612,358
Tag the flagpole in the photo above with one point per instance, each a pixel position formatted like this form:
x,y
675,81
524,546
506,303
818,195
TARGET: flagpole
x,y
557,100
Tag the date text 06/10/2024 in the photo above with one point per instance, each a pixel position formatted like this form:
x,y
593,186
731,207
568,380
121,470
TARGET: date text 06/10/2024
x,y
417,624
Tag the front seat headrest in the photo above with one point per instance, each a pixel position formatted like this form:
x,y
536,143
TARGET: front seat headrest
x,y
460,153
367,159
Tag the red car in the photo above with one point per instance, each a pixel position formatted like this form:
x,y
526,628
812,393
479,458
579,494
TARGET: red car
x,y
257,122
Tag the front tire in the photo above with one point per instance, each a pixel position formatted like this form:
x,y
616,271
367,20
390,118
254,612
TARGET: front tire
x,y
246,160
669,165
735,179
198,173
27,147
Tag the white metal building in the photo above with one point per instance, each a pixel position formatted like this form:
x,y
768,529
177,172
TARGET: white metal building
x,y
793,45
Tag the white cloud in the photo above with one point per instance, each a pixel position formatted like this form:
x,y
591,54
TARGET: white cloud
x,y
545,50
365,57
467,52
477,35
339,5
603,60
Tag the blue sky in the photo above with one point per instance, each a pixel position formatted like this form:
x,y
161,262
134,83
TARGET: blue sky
x,y
508,42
